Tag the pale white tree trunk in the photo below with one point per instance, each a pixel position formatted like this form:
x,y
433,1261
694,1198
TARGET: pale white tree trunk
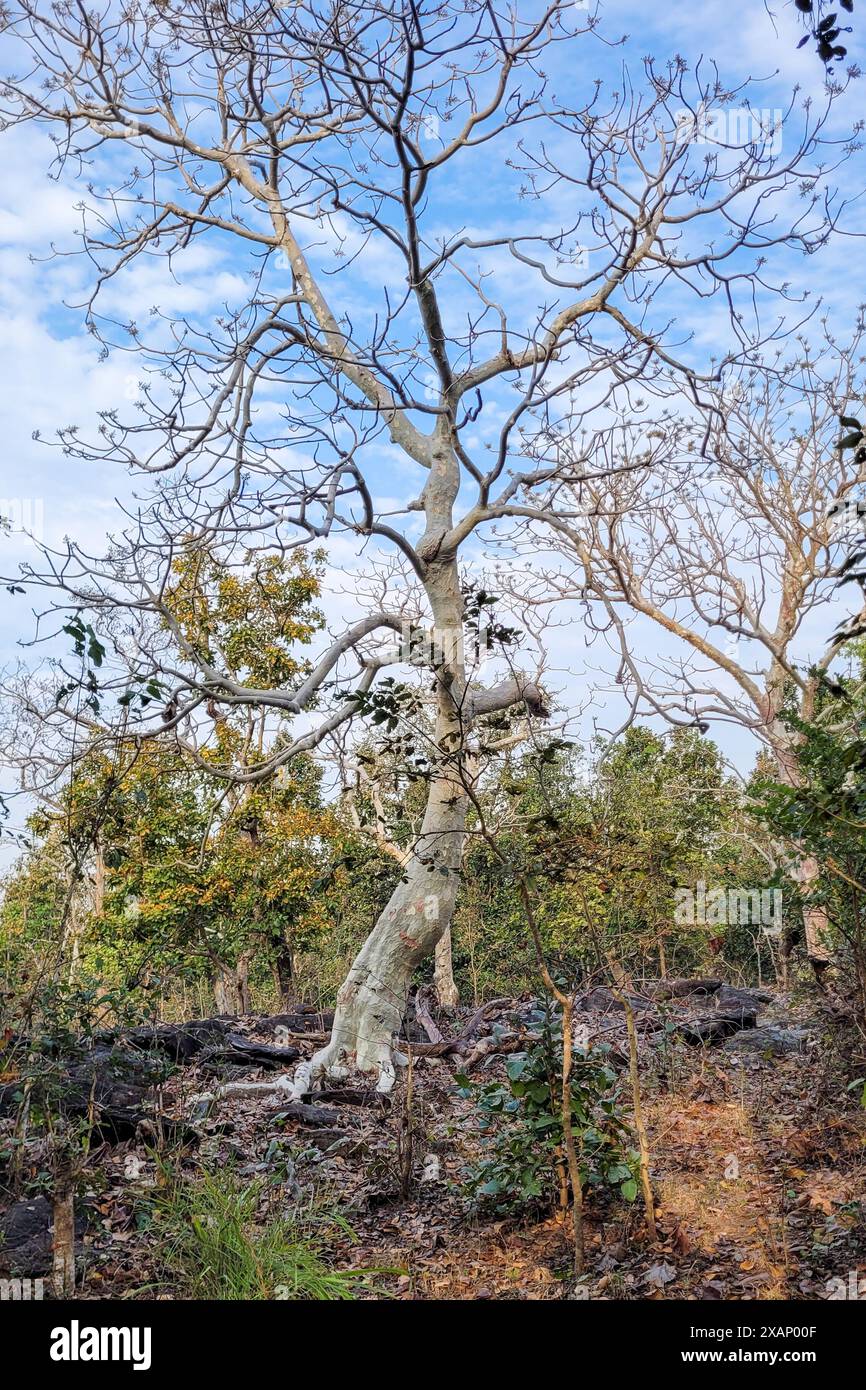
x,y
815,921
805,872
231,987
444,983
372,1000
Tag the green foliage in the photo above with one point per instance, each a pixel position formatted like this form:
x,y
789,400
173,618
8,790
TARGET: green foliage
x,y
31,917
605,852
255,616
90,651
153,873
194,882
823,818
521,1120
218,1241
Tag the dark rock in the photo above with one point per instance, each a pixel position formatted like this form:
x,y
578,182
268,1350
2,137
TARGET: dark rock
x,y
710,1031
730,997
770,1039
602,1000
115,1084
320,1115
344,1095
265,1054
324,1139
680,989
181,1041
305,1019
228,1070
26,1236
109,1082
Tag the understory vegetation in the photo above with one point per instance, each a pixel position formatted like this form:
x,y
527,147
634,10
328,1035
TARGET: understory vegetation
x,y
273,903
213,1247
604,853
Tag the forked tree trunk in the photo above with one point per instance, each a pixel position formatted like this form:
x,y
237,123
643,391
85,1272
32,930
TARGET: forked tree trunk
x,y
372,1001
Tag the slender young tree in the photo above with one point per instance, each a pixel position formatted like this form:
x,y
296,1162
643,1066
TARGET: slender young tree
x,y
462,250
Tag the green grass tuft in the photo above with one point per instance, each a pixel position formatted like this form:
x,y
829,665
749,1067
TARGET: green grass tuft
x,y
215,1245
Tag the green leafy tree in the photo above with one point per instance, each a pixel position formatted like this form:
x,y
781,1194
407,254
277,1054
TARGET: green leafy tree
x,y
824,817
161,871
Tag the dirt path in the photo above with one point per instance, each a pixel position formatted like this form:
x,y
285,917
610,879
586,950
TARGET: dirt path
x,y
761,1196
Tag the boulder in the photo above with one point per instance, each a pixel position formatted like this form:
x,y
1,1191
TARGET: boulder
x,y
602,1000
715,1028
26,1236
769,1040
681,989
731,997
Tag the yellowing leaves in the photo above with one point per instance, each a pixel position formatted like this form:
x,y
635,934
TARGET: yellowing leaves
x,y
255,616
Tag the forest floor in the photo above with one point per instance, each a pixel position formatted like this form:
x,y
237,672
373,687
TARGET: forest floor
x,y
758,1165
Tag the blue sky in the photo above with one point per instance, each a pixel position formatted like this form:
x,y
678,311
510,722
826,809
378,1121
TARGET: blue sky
x,y
51,369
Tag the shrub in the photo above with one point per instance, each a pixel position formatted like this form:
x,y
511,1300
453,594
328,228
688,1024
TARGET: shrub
x,y
521,1123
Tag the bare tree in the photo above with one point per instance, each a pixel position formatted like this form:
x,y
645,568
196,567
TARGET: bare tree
x,y
734,560
344,137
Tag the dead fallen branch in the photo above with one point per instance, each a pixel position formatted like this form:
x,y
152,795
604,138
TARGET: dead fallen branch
x,y
244,1049
425,1018
489,1047
449,1045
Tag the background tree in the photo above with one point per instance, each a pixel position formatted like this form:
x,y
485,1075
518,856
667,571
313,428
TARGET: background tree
x,y
821,818
167,866
608,845
733,561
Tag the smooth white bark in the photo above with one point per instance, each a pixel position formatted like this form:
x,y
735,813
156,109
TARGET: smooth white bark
x,y
372,1000
444,983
